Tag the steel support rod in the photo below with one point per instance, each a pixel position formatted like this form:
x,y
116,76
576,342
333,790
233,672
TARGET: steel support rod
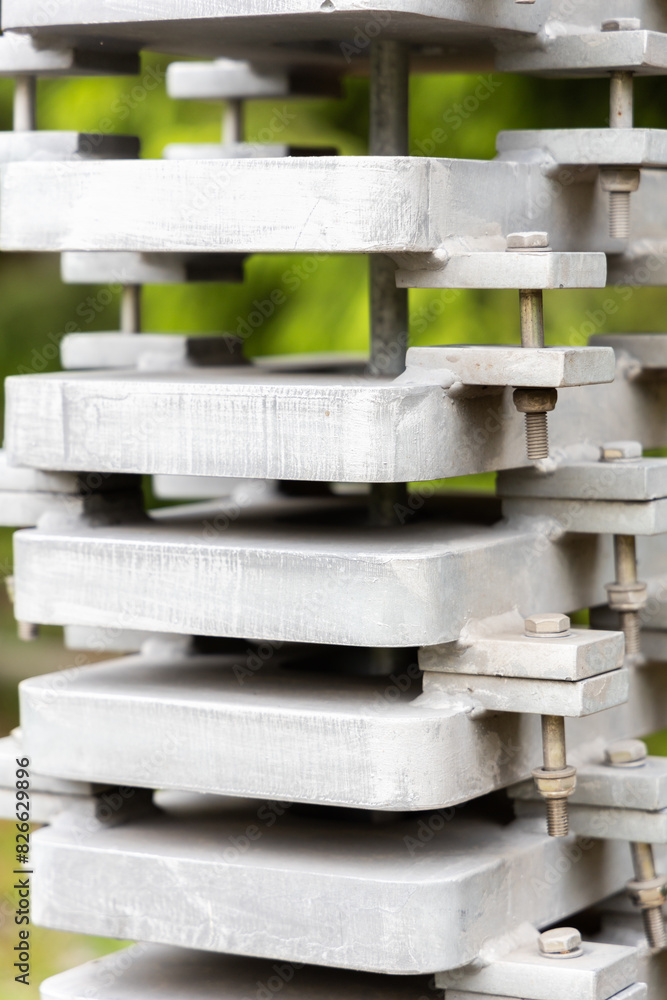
x,y
233,122
389,121
130,309
25,104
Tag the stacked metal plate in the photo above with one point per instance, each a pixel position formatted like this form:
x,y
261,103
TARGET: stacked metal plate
x,y
358,742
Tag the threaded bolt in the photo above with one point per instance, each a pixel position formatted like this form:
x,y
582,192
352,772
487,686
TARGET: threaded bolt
x,y
558,823
537,436
654,928
631,627
619,214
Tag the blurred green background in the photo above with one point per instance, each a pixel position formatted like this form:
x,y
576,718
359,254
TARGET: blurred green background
x,y
325,298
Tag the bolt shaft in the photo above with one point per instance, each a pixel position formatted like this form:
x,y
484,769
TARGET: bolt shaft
x,y
537,436
233,122
654,928
625,558
631,628
130,309
389,319
531,311
643,862
619,214
25,104
621,100
625,561
558,823
553,742
654,924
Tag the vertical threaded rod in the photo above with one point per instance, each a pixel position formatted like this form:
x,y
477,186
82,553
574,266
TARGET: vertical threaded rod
x,y
558,823
130,309
389,127
654,928
537,436
619,214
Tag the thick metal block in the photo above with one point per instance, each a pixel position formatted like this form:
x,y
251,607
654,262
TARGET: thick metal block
x,y
501,648
629,825
149,269
53,147
280,31
593,53
500,269
20,54
174,721
226,151
526,694
648,350
599,974
236,79
615,517
639,991
216,570
557,367
349,204
148,351
299,425
586,147
341,893
633,481
153,972
219,571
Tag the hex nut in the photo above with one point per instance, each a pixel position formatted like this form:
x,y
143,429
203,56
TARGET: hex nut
x,y
627,596
626,753
622,24
555,784
623,179
547,625
620,451
561,942
528,241
648,894
535,400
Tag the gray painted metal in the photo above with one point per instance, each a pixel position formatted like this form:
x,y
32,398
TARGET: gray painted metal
x,y
153,972
20,54
347,893
176,721
599,974
280,31
585,147
323,427
316,204
510,270
638,480
592,53
649,350
615,517
148,351
496,365
527,694
148,269
53,147
636,992
501,649
218,571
